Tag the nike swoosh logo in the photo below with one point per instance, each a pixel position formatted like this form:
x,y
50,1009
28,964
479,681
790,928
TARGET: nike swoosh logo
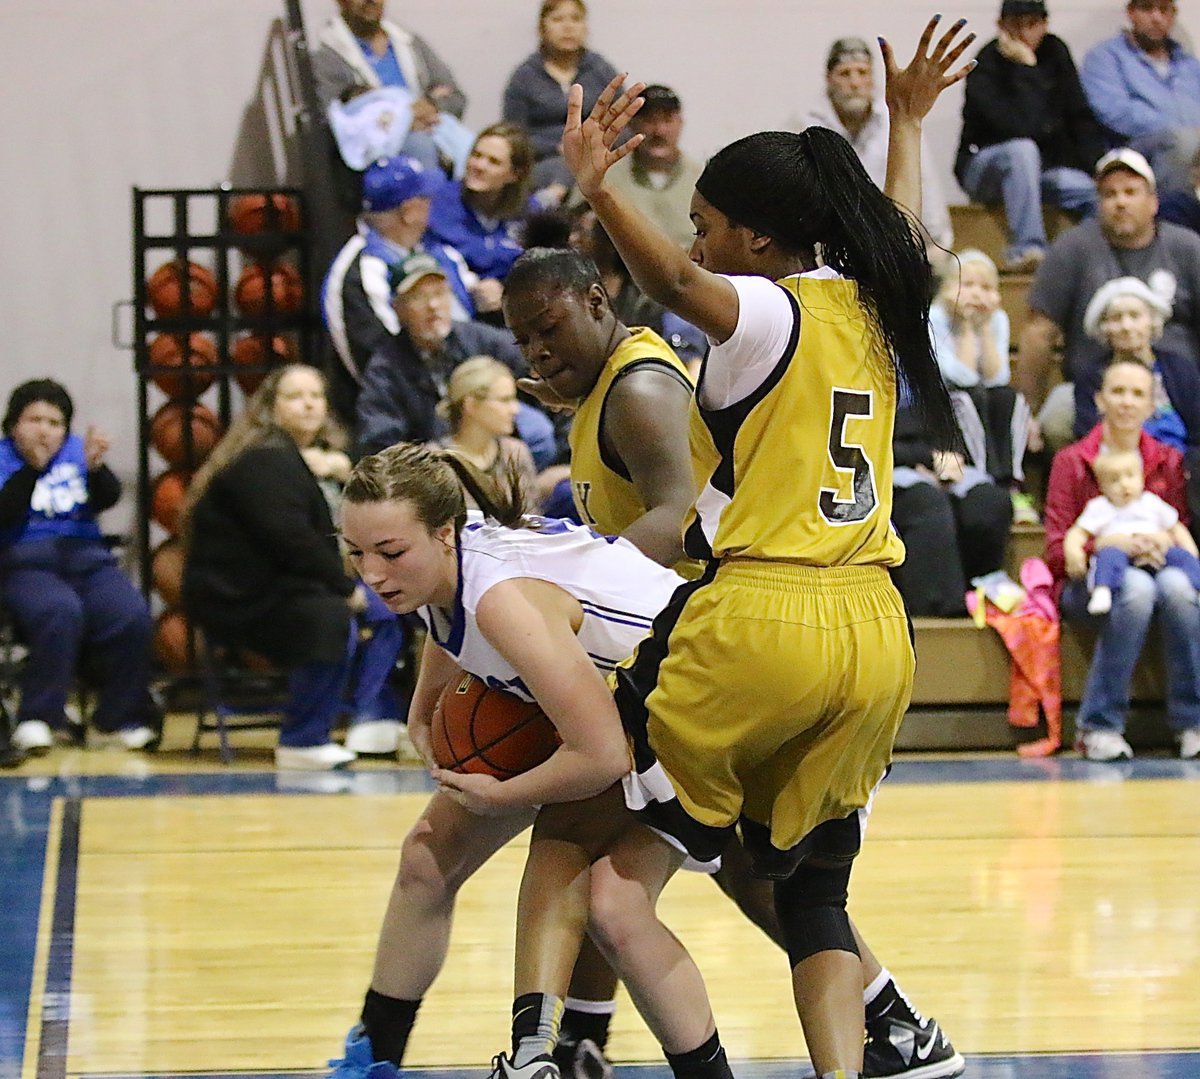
x,y
923,1051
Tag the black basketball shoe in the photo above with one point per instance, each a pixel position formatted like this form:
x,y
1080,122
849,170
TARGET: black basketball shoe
x,y
912,1050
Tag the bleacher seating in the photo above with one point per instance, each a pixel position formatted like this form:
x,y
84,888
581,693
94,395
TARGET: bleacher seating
x,y
983,227
960,695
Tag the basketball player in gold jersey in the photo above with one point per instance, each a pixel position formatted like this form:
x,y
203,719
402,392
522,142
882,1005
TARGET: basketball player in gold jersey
x,y
770,692
631,476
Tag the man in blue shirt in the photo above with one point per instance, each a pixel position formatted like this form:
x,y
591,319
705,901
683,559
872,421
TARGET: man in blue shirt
x,y
1145,88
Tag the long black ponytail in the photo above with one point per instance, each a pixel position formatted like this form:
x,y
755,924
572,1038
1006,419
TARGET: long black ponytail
x,y
810,190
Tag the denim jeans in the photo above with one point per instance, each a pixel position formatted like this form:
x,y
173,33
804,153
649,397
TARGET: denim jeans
x,y
318,693
379,641
1120,636
1011,172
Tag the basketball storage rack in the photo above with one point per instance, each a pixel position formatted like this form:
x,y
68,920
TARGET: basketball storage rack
x,y
192,226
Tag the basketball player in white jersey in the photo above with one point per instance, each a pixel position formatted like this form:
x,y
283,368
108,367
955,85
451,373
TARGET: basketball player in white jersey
x,y
543,612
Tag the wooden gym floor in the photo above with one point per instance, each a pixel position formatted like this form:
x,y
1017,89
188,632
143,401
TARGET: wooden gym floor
x,y
164,916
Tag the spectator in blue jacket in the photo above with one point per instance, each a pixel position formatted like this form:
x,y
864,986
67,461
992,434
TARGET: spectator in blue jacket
x,y
1145,88
479,215
60,582
356,297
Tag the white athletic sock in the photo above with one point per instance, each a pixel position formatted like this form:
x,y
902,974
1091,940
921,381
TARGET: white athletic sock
x,y
876,987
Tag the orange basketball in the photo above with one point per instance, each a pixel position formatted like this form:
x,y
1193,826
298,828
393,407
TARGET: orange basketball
x,y
190,353
252,214
168,433
166,498
286,294
166,571
252,352
171,641
165,289
477,729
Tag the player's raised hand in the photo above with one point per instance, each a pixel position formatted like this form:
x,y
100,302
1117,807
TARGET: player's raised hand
x,y
910,92
587,144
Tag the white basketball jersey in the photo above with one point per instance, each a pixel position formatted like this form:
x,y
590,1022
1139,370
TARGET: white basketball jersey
x,y
618,587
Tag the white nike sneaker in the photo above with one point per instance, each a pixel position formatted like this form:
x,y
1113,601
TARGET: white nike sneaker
x,y
1103,746
376,737
34,737
126,738
542,1067
312,758
1189,744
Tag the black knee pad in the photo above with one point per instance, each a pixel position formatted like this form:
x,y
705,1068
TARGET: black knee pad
x,y
811,907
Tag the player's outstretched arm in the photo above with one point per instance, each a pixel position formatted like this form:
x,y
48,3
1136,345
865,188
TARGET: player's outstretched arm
x,y
910,93
661,269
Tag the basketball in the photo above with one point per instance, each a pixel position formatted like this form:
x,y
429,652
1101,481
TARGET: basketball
x,y
190,353
166,498
253,352
171,641
168,433
251,214
286,294
166,571
477,729
165,289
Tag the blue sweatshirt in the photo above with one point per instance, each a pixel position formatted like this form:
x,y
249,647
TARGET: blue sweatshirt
x,y
487,246
1131,98
61,505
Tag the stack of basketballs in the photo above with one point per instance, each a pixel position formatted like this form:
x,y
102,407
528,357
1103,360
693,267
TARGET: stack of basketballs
x,y
185,362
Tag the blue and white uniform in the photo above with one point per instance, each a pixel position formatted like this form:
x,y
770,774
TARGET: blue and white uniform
x,y
618,587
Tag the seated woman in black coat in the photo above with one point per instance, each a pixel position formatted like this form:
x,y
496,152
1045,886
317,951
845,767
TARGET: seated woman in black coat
x,y
954,520
264,572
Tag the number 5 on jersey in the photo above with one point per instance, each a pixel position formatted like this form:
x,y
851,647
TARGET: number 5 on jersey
x,y
848,456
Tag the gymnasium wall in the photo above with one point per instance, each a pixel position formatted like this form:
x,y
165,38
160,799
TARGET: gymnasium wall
x,y
100,96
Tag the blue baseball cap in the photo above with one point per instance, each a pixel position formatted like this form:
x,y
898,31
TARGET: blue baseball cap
x,y
394,180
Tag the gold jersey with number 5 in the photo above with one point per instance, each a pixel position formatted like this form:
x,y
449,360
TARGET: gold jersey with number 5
x,y
801,470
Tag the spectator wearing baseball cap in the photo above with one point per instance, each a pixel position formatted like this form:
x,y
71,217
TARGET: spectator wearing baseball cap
x,y
1123,240
408,374
851,106
658,176
1144,87
356,298
1028,135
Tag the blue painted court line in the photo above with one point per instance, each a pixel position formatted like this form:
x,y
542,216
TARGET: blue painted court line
x,y
24,825
416,781
56,994
1182,1065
